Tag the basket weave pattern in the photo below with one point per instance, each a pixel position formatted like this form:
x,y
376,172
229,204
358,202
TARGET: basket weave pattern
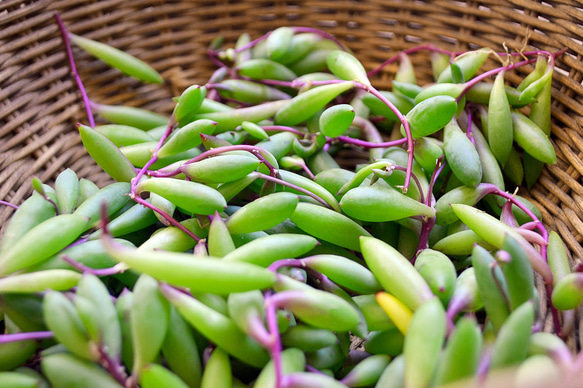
x,y
40,104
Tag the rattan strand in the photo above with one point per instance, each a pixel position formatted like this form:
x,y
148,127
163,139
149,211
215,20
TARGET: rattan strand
x,y
39,102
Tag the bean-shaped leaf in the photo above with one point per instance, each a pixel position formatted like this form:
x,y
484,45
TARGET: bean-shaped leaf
x,y
129,115
42,241
375,316
500,134
113,196
306,104
217,372
461,155
107,155
62,319
378,107
394,374
344,272
387,342
156,376
367,372
423,342
328,225
266,250
193,197
205,274
221,169
532,139
54,279
379,204
468,62
250,92
557,257
398,313
395,272
462,353
218,328
58,369
29,214
308,338
430,115
444,214
67,191
149,316
292,360
318,308
118,59
93,289
278,43
180,351
188,103
568,292
511,346
229,120
518,274
187,137
345,66
439,273
219,239
124,135
335,120
491,286
265,69
263,213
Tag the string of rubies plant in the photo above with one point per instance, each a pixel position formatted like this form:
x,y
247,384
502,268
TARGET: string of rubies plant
x,y
279,281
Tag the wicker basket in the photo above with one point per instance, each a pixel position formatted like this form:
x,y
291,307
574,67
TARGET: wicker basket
x,y
39,101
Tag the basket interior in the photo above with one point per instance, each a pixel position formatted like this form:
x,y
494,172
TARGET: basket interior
x,y
40,104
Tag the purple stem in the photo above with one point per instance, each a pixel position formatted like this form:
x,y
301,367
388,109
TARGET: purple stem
x,y
116,269
308,171
529,225
507,216
407,128
79,241
426,228
427,225
283,128
34,335
286,263
456,305
257,151
270,305
86,101
154,157
5,203
439,166
417,183
113,367
144,170
258,331
310,368
167,217
212,54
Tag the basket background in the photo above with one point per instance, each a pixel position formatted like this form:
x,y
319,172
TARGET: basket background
x,y
40,103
